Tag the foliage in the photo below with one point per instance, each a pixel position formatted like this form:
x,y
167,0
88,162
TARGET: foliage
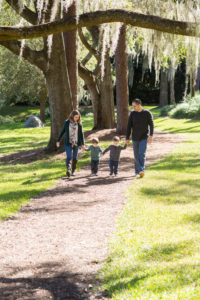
x,y
18,113
6,120
19,80
190,108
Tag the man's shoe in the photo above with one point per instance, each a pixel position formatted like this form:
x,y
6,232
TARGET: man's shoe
x,y
68,173
73,174
141,174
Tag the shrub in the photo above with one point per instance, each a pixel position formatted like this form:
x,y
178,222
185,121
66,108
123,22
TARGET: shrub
x,y
189,108
6,120
165,110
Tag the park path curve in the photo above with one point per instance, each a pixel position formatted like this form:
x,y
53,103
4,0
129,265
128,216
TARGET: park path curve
x,y
54,247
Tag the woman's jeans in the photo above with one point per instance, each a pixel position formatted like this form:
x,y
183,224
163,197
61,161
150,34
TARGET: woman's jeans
x,y
139,150
71,152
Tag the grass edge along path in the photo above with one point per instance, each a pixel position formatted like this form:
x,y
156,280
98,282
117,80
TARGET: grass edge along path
x,y
154,251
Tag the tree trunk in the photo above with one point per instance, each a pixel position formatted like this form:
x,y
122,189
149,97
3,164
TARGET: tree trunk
x,y
197,87
192,83
43,97
172,94
57,79
163,98
122,92
106,97
71,45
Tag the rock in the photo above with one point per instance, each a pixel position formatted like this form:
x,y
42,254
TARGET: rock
x,y
33,121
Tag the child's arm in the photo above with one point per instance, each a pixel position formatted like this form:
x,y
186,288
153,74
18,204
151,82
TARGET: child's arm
x,y
88,148
124,147
100,150
106,150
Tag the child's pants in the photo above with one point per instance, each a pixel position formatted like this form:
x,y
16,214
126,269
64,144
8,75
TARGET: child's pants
x,y
94,166
114,167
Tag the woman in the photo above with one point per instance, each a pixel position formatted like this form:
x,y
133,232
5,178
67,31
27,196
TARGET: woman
x,y
74,139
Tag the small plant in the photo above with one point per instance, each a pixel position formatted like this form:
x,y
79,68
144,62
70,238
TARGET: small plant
x,y
6,120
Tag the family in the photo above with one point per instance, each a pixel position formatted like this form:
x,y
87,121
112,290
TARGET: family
x,y
140,126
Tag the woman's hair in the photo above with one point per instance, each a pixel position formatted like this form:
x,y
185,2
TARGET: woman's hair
x,y
73,114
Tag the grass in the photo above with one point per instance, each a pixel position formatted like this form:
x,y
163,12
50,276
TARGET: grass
x,y
19,113
19,182
154,251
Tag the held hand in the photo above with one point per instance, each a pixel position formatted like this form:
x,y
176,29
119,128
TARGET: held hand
x,y
58,144
150,140
83,147
127,142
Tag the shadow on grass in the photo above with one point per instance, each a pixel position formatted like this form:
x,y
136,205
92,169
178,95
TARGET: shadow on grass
x,y
155,278
166,252
172,194
195,219
175,162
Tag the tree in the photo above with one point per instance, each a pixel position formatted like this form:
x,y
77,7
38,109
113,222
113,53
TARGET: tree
x,y
100,87
51,60
70,40
122,93
163,98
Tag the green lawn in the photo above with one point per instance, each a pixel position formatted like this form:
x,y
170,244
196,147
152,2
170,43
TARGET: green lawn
x,y
19,182
154,252
155,249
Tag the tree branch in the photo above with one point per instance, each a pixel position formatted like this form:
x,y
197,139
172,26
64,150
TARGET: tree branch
x,y
87,45
36,58
26,13
100,17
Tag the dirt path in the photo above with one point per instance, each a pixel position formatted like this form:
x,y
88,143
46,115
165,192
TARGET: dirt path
x,y
56,244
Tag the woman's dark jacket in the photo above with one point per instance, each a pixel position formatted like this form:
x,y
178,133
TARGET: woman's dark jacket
x,y
65,130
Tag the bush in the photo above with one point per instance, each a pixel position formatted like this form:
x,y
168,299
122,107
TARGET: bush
x,y
6,120
164,112
188,109
47,113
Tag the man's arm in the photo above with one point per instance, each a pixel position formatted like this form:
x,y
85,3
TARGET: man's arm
x,y
151,125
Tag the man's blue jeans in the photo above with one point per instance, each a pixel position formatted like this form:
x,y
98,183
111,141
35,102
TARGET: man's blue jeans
x,y
139,150
71,152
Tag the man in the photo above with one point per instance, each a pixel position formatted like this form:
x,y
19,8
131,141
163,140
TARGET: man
x,y
140,122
